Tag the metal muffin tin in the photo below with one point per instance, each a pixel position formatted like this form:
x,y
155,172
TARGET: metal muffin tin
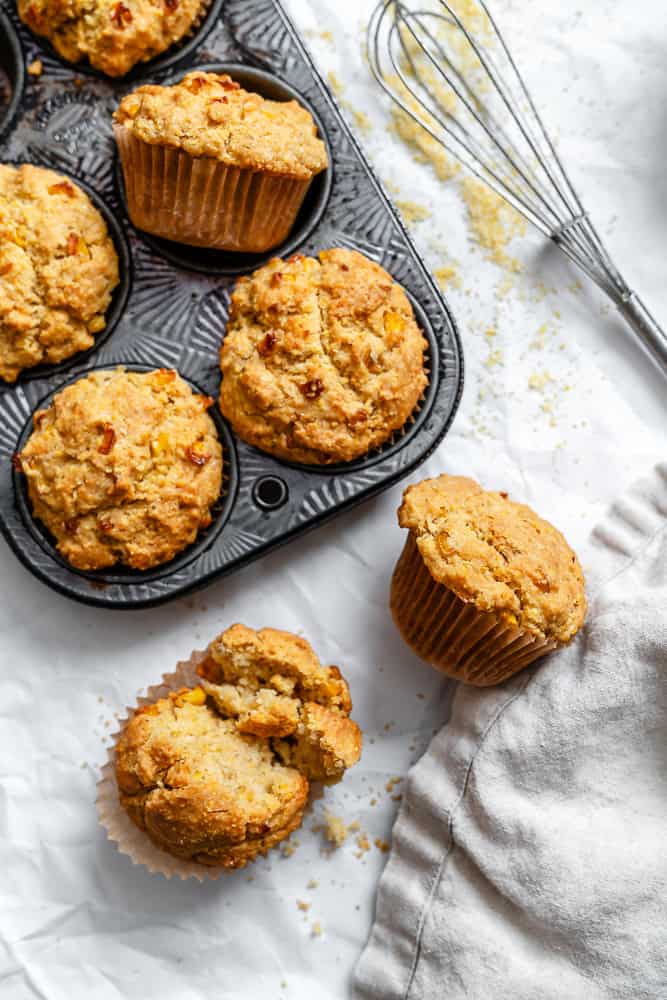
x,y
171,307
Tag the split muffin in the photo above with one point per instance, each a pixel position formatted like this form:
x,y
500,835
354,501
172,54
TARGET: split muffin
x,y
209,164
322,358
113,36
484,586
58,269
123,467
219,773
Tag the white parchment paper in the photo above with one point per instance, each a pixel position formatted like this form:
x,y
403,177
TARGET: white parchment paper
x,y
76,919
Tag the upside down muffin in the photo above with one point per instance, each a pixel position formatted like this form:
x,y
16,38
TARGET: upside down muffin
x,y
113,35
210,164
484,586
220,773
123,467
58,269
322,358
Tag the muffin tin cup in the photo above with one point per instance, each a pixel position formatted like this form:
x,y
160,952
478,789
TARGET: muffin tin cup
x,y
176,313
277,215
204,203
452,635
121,831
119,296
178,52
119,574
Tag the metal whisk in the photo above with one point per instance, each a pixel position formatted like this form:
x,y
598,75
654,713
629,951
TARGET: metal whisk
x,y
460,83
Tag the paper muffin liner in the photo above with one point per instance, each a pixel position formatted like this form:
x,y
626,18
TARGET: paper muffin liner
x,y
127,837
203,202
453,635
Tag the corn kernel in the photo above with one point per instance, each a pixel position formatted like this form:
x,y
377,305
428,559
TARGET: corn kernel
x,y
393,323
161,443
96,324
195,696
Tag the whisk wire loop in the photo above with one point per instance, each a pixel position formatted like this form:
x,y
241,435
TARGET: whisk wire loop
x,y
463,87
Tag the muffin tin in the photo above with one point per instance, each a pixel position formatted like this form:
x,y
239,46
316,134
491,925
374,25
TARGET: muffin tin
x,y
171,307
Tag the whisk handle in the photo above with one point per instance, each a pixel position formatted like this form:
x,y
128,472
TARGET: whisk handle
x,y
653,338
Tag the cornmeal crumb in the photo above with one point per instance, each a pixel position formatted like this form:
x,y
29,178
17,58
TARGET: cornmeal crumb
x,y
335,83
335,829
381,845
539,380
316,929
363,843
312,884
413,212
447,275
35,68
302,905
361,120
494,223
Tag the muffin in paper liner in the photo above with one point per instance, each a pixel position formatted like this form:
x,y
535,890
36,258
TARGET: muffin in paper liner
x,y
451,634
484,586
178,778
127,837
202,202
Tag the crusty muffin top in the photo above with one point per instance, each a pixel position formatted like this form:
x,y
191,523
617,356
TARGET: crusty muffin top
x,y
208,114
322,359
219,773
114,35
58,269
497,554
123,467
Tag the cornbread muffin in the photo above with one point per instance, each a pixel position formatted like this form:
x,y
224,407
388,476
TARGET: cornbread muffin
x,y
58,269
484,586
208,164
113,36
219,773
322,359
123,467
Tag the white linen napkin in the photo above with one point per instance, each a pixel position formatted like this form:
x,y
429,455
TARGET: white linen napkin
x,y
529,858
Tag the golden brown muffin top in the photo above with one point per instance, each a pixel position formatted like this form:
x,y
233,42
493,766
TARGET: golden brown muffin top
x,y
123,467
208,114
497,554
114,35
220,773
322,359
58,269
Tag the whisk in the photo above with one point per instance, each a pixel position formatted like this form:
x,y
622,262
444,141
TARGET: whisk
x,y
454,75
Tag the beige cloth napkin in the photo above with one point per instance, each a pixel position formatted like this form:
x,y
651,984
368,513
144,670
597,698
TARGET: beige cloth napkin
x,y
529,858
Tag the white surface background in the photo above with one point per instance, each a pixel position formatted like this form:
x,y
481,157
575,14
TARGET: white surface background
x,y
76,919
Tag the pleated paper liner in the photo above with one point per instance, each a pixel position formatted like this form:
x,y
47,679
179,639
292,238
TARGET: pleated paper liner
x,y
127,837
202,202
464,643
